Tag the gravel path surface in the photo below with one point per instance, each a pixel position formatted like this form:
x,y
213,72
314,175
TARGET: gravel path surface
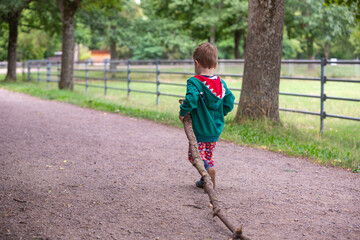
x,y
73,173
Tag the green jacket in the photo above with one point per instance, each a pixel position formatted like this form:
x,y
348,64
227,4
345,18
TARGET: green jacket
x,y
207,110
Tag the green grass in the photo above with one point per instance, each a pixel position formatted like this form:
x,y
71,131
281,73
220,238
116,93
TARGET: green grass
x,y
298,135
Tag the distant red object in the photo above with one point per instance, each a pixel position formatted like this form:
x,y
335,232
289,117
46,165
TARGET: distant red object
x,y
55,58
100,55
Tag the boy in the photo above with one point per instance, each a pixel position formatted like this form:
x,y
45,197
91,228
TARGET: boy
x,y
207,100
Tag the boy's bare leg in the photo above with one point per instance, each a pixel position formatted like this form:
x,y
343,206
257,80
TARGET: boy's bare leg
x,y
212,173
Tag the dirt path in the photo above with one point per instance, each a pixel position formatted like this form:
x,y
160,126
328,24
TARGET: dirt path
x,y
73,173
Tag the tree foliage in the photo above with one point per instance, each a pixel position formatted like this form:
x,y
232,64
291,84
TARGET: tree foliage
x,y
187,14
111,27
171,29
10,12
355,41
290,47
311,21
68,9
354,5
4,38
161,39
234,22
214,20
12,9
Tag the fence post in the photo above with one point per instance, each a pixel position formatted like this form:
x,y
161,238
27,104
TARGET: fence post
x,y
38,73
157,81
48,75
23,70
128,78
58,71
86,76
222,67
105,76
29,70
322,95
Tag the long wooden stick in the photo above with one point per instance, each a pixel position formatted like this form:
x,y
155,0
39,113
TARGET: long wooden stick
x,y
199,165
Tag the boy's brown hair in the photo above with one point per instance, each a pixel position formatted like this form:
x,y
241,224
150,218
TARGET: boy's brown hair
x,y
206,54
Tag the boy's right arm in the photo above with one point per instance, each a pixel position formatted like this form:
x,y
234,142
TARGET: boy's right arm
x,y
190,101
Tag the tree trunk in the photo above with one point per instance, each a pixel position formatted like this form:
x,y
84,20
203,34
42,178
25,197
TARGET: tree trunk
x,y
260,88
212,27
68,9
237,38
113,56
212,35
12,46
327,50
310,47
310,50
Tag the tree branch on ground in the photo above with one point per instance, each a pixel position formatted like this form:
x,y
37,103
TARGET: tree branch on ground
x,y
199,165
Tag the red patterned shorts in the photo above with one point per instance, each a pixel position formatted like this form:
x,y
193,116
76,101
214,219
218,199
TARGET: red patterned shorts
x,y
206,153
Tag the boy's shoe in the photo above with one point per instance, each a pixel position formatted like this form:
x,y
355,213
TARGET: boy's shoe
x,y
200,183
212,173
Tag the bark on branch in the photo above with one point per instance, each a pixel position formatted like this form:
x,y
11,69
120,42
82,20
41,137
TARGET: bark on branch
x,y
199,165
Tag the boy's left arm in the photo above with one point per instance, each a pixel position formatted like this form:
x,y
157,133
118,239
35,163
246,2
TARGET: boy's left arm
x,y
228,101
190,101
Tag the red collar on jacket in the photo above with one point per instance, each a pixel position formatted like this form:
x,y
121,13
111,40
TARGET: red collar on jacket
x,y
215,86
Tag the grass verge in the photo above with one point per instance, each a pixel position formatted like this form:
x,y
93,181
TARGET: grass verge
x,y
327,149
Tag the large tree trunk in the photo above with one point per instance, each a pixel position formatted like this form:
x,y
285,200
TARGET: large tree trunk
x,y
260,88
68,9
13,21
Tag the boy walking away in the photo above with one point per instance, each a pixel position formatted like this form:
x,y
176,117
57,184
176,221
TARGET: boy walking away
x,y
207,100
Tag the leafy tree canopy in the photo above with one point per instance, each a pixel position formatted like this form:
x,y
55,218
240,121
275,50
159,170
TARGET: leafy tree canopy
x,y
353,4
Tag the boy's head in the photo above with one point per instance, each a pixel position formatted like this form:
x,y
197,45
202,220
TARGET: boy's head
x,y
206,55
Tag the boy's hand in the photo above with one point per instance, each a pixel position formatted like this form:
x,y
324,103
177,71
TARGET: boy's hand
x,y
181,118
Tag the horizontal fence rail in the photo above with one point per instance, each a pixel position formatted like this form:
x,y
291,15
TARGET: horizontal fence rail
x,y
44,72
